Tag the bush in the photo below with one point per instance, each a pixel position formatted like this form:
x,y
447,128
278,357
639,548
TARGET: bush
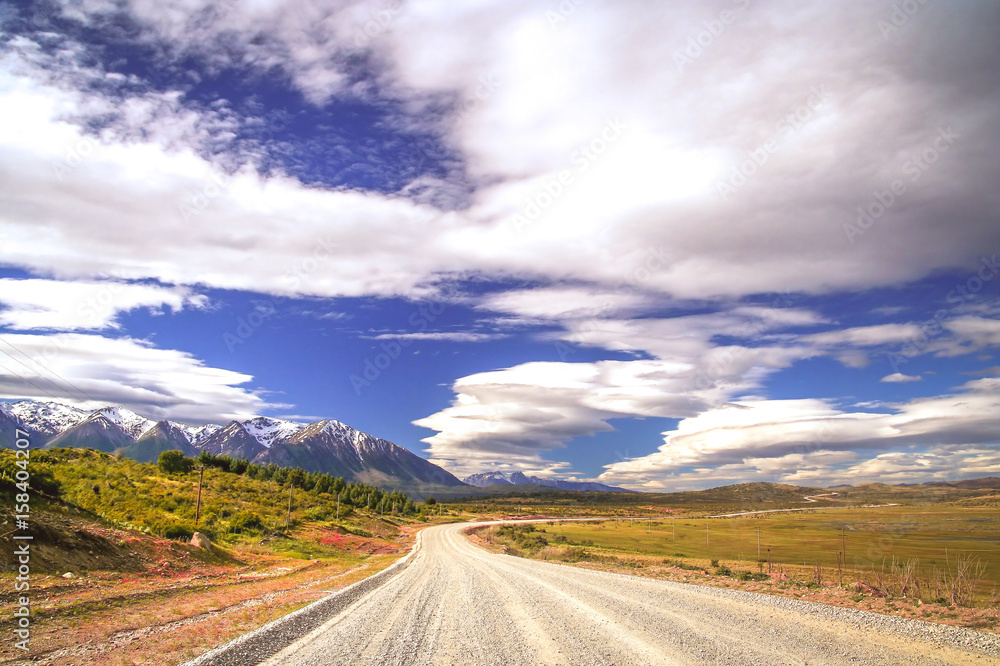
x,y
750,576
177,532
723,570
246,522
41,480
174,462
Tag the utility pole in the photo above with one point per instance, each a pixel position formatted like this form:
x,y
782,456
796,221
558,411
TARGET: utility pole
x,y
758,543
706,536
197,510
288,517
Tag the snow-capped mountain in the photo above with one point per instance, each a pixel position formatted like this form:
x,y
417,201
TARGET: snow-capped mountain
x,y
520,479
126,419
163,436
267,430
194,434
357,455
45,418
326,446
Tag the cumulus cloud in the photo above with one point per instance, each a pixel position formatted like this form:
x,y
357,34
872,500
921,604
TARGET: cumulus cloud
x,y
94,371
88,305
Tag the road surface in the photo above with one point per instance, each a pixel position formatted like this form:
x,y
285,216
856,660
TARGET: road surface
x,y
454,603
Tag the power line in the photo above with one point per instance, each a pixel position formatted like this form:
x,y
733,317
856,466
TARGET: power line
x,y
74,387
28,380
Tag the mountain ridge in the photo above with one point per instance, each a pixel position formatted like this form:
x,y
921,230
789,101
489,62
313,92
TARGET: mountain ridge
x,y
487,479
326,446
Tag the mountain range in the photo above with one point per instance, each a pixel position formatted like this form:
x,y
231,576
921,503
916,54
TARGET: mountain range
x,y
521,479
325,446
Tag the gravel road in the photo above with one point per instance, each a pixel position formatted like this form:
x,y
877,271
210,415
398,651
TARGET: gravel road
x,y
454,603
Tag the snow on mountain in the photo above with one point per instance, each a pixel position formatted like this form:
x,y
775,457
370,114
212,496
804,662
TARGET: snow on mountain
x,y
126,419
195,434
520,479
325,446
268,431
494,479
361,441
49,418
202,433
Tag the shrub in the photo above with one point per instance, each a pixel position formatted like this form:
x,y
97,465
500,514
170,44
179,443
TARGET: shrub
x,y
178,532
247,522
750,576
41,480
174,462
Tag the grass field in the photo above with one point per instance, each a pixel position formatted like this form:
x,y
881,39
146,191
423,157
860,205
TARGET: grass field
x,y
934,538
939,591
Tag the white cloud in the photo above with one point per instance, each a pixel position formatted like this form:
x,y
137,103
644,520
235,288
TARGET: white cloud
x,y
519,413
821,468
641,146
761,433
899,377
67,306
558,303
652,186
869,336
92,371
971,334
77,206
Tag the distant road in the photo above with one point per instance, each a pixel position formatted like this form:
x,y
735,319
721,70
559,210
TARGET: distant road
x,y
454,603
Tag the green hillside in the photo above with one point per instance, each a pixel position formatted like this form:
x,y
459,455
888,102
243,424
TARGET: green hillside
x,y
239,500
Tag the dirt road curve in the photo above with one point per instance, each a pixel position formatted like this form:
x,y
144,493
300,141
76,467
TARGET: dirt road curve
x,y
454,603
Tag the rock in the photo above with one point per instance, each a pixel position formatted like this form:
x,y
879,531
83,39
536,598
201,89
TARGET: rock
x,y
69,575
199,540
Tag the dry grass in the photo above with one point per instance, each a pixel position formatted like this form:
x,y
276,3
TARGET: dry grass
x,y
894,587
177,607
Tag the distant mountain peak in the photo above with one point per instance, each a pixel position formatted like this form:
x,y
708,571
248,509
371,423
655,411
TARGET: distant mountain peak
x,y
495,478
267,430
125,419
47,418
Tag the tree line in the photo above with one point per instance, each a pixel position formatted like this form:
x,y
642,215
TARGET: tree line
x,y
351,493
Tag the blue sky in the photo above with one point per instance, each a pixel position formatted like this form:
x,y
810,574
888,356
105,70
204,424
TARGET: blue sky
x,y
664,249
